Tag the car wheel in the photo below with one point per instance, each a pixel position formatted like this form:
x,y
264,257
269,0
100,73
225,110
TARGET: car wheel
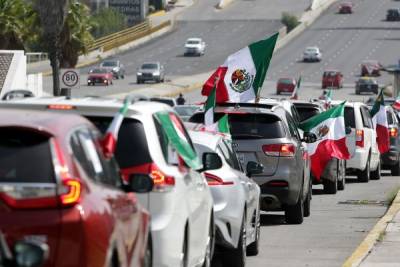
x,y
138,81
252,249
307,202
364,175
184,254
117,77
330,187
278,93
395,169
294,214
342,175
237,257
376,175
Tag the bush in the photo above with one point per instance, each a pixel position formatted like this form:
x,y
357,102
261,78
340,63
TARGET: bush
x,y
290,21
107,21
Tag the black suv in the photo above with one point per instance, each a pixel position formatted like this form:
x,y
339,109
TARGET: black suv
x,y
393,14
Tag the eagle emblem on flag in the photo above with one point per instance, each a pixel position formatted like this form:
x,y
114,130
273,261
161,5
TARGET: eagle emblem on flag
x,y
241,80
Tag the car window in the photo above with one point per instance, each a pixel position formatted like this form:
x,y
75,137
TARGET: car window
x,y
349,117
229,155
389,117
25,157
307,112
109,64
169,102
131,137
292,127
169,153
367,122
150,66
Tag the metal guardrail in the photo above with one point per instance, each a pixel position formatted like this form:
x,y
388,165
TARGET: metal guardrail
x,y
117,39
32,57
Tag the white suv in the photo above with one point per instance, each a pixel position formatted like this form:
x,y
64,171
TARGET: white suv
x,y
361,142
181,205
195,46
312,53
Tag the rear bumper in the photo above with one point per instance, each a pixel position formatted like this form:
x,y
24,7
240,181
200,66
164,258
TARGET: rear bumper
x,y
390,158
359,160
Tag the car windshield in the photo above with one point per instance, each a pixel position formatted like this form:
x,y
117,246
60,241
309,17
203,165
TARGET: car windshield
x,y
149,66
307,112
169,102
99,71
330,73
311,50
109,64
286,81
186,111
193,42
132,149
366,81
25,157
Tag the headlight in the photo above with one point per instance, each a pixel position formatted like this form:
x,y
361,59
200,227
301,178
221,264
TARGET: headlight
x,y
115,69
89,81
156,73
139,73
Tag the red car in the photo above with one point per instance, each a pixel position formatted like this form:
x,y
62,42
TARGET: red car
x,y
346,8
100,76
332,79
371,68
285,85
57,187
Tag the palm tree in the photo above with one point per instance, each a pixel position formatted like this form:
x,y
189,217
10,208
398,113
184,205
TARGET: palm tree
x,y
75,35
52,14
15,19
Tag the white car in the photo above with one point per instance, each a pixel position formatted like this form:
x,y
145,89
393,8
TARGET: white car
x,y
361,142
312,53
181,205
195,46
236,200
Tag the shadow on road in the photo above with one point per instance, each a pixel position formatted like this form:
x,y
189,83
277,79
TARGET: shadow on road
x,y
272,219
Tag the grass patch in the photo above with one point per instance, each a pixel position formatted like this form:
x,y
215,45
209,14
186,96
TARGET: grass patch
x,y
381,236
290,21
391,195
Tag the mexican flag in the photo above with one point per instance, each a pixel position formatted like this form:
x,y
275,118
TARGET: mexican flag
x,y
109,142
209,107
242,75
221,126
331,138
294,95
379,118
178,138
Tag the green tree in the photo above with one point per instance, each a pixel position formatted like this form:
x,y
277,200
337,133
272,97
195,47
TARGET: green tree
x,y
76,34
108,20
15,19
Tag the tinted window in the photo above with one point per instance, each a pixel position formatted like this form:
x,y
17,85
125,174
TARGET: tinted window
x,y
307,112
349,118
366,117
109,64
229,155
150,66
132,149
292,126
389,117
25,156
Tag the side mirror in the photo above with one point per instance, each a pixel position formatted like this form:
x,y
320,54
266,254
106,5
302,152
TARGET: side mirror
x,y
140,183
253,167
348,130
309,138
211,161
30,254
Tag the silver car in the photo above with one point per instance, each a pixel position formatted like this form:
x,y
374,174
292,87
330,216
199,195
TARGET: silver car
x,y
150,71
236,200
115,66
272,139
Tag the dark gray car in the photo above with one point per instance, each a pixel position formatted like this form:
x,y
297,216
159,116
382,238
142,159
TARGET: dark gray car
x,y
272,139
150,71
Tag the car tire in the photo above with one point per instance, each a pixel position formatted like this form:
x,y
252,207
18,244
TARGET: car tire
x,y
138,81
237,257
330,187
294,214
342,174
184,262
252,249
364,175
307,202
395,169
376,175
278,93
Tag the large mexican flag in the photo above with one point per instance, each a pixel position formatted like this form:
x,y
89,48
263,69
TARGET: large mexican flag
x,y
331,143
242,75
379,118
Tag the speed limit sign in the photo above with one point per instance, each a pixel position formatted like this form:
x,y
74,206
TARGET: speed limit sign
x,y
69,78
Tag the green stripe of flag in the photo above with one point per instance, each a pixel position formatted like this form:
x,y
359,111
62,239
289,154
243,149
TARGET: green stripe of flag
x,y
330,113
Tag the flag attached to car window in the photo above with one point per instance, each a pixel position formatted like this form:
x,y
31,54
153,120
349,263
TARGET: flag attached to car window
x,y
242,75
295,95
330,130
379,118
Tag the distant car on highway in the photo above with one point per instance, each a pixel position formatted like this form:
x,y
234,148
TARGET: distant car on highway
x,y
170,101
195,46
371,68
332,79
285,85
393,14
115,66
367,85
150,71
100,76
311,54
390,160
346,8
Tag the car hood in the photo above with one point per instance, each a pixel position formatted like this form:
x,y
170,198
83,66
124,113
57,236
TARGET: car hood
x,y
192,45
147,70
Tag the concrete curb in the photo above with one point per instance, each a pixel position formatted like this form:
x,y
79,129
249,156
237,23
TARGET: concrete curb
x,y
223,3
157,14
368,243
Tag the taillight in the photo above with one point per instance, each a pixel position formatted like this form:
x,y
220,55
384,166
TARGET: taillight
x,y
162,182
215,180
60,107
279,150
393,132
360,138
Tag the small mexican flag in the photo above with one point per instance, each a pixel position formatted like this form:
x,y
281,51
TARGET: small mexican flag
x,y
379,118
209,107
221,126
330,130
294,95
109,141
242,75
